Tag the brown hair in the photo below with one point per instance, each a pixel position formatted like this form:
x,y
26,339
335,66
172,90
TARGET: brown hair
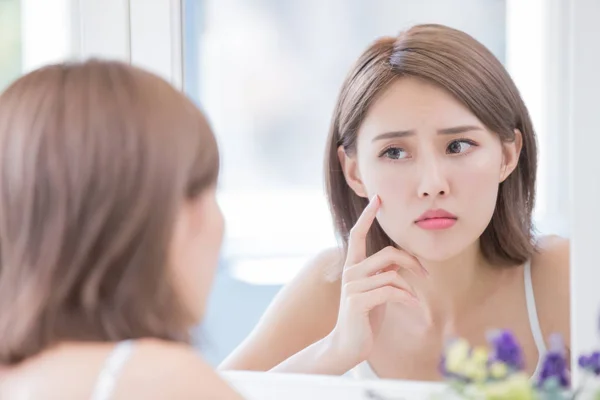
x,y
96,159
458,63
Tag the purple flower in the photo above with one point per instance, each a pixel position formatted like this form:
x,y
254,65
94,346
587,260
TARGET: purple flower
x,y
554,368
506,349
591,363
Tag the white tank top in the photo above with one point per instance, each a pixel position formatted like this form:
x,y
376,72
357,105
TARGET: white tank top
x,y
364,370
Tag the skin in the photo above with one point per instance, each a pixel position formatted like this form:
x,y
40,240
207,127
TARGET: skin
x,y
396,308
195,246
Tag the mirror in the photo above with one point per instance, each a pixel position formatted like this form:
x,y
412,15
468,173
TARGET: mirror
x,y
555,37
273,116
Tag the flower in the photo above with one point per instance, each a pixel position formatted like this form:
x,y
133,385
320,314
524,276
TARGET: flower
x,y
498,370
475,367
591,363
497,373
555,366
516,387
506,349
462,363
457,354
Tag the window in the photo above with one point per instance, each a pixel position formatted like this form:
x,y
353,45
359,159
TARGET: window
x,y
267,73
10,41
32,34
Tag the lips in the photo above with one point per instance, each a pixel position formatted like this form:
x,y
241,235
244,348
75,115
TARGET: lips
x,y
436,220
440,213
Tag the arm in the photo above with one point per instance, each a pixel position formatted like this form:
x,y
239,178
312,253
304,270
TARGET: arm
x,y
296,323
327,324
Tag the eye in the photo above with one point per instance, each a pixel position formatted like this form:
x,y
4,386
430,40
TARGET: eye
x,y
394,153
459,146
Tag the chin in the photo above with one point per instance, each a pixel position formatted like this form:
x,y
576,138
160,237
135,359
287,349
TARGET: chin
x,y
436,255
435,252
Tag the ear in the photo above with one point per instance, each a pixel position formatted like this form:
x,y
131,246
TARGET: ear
x,y
510,155
351,173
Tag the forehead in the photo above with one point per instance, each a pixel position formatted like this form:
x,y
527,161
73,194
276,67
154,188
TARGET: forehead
x,y
414,104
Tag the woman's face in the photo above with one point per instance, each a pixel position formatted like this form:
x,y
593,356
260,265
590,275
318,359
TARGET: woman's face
x,y
435,166
195,250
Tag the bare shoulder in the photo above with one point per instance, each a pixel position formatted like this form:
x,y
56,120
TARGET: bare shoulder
x,y
303,312
551,282
165,370
328,264
550,264
318,282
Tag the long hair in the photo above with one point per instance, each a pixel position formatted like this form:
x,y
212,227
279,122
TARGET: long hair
x,y
96,159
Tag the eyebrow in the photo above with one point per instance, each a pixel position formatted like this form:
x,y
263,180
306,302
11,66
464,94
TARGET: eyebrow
x,y
446,131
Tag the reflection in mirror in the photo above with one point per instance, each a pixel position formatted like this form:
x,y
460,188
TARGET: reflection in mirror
x,y
429,127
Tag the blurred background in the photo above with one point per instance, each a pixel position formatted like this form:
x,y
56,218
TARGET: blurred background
x,y
267,74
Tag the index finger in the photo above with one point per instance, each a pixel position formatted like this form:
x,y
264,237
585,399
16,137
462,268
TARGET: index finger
x,y
357,240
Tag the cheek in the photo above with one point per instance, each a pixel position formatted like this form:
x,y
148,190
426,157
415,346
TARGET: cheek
x,y
478,174
389,181
396,187
206,245
196,254
476,186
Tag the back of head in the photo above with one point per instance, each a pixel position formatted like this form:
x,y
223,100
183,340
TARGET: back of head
x,y
459,64
95,160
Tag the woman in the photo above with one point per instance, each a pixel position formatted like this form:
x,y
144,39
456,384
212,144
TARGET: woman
x,y
110,236
429,127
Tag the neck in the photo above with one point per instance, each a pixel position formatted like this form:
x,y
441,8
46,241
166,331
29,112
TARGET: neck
x,y
456,285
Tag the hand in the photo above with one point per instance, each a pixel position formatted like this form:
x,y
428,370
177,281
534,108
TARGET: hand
x,y
368,284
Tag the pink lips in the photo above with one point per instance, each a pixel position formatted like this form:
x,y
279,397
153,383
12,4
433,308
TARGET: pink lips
x,y
436,220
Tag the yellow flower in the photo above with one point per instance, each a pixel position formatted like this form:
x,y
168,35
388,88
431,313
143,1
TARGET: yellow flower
x,y
475,372
480,355
475,367
516,387
498,370
456,356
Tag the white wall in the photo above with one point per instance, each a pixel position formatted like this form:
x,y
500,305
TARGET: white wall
x,y
584,80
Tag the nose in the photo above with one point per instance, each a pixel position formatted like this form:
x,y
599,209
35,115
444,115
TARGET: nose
x,y
433,180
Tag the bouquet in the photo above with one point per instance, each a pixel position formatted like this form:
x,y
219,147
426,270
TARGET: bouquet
x,y
496,371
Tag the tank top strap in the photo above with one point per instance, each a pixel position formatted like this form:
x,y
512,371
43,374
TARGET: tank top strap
x,y
534,322
107,379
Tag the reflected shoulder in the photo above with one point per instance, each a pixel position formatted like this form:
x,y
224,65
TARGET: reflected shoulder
x,y
551,285
328,264
553,253
303,312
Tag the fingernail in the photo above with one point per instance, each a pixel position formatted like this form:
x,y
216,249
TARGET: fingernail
x,y
374,198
